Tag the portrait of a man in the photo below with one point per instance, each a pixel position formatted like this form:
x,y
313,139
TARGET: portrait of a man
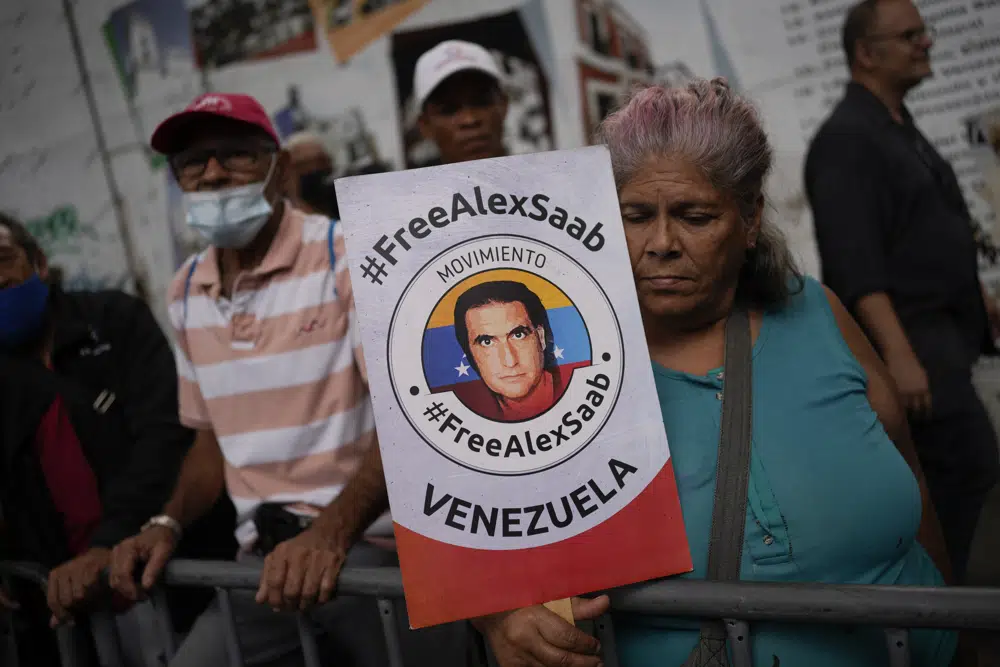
x,y
504,331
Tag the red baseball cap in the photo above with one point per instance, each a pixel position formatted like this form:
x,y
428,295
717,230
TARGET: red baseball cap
x,y
171,135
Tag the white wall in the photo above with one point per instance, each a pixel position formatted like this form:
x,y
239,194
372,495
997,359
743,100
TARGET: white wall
x,y
49,157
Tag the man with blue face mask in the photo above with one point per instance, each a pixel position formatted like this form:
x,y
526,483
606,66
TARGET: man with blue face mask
x,y
90,441
272,379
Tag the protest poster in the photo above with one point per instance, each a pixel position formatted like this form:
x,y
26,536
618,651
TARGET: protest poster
x,y
523,446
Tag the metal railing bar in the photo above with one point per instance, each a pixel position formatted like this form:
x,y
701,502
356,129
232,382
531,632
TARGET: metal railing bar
x,y
892,606
164,623
31,572
390,628
606,635
233,650
738,634
69,650
106,639
307,638
897,640
377,582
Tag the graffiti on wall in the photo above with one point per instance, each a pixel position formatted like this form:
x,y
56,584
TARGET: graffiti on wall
x,y
60,232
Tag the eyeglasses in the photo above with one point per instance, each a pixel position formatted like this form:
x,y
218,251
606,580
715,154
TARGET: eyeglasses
x,y
914,35
236,156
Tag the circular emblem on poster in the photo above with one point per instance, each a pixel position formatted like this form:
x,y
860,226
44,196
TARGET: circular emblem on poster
x,y
505,355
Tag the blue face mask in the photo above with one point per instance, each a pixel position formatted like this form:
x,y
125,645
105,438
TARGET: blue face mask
x,y
22,311
230,218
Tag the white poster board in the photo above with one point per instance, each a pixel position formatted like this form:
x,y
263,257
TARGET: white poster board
x,y
513,392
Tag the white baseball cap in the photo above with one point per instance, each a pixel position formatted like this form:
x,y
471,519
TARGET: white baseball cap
x,y
448,58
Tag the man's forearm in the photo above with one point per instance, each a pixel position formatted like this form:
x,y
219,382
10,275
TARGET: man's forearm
x,y
362,501
200,482
878,317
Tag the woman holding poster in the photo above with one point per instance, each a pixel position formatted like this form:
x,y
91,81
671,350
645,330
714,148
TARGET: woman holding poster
x,y
835,493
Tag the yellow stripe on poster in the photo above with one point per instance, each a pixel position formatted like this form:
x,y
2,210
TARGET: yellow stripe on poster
x,y
550,295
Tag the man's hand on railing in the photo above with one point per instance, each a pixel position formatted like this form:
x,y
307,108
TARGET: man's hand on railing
x,y
302,572
536,636
72,583
153,546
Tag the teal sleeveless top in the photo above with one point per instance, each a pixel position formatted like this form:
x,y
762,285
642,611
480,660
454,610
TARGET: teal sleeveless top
x,y
830,498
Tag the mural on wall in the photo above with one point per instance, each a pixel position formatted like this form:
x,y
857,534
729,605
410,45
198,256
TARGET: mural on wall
x,y
229,31
351,25
529,117
352,146
983,135
613,57
151,47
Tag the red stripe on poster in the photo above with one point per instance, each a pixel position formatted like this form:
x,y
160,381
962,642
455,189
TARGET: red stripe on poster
x,y
646,540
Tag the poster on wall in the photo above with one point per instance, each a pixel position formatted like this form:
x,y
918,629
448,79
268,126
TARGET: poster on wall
x,y
983,133
345,134
523,447
351,25
230,31
529,116
151,47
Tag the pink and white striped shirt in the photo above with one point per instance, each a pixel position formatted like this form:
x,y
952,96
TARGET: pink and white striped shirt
x,y
276,370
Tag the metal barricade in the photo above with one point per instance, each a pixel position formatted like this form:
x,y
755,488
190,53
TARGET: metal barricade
x,y
894,608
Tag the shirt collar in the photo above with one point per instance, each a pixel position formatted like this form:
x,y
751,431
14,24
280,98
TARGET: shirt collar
x,y
280,256
865,100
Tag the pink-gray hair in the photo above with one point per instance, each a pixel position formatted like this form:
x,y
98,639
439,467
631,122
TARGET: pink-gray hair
x,y
719,131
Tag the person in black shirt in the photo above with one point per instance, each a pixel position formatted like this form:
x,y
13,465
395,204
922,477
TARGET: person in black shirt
x,y
897,245
90,439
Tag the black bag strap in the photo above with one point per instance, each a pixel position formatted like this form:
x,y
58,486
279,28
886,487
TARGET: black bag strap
x,y
725,547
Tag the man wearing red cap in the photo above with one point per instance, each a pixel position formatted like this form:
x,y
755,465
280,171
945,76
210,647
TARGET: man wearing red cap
x,y
272,379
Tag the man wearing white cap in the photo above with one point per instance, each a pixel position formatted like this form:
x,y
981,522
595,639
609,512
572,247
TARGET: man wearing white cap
x,y
457,87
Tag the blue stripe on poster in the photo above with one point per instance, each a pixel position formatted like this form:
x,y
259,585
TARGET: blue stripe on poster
x,y
444,362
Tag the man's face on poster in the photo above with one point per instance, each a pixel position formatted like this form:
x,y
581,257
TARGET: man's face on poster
x,y
508,350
